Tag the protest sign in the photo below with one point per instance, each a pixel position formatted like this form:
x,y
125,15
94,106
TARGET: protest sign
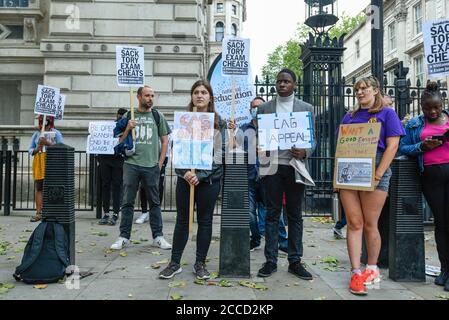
x,y
235,57
60,110
436,47
355,156
101,138
130,66
282,131
47,100
193,140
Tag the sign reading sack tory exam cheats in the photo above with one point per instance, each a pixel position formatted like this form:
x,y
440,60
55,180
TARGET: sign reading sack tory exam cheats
x,y
130,66
282,131
235,57
193,140
47,100
101,137
436,46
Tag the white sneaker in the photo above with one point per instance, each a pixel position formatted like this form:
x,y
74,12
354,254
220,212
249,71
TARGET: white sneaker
x,y
119,244
160,242
144,217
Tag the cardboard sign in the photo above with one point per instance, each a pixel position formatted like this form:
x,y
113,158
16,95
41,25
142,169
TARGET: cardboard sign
x,y
282,131
436,46
355,156
193,140
60,110
101,138
235,57
47,100
130,66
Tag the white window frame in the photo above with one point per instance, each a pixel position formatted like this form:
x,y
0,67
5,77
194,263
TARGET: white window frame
x,y
222,32
417,20
220,9
392,41
418,62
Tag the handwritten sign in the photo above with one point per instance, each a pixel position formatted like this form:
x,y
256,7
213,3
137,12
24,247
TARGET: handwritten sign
x,y
193,140
355,156
282,131
436,46
130,66
60,109
101,137
47,100
235,57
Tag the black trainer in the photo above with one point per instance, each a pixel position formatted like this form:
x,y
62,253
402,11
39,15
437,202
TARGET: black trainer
x,y
283,249
200,271
298,270
104,220
446,287
442,278
253,246
172,269
267,269
113,220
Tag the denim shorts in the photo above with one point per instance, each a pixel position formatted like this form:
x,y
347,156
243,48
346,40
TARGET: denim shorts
x,y
384,182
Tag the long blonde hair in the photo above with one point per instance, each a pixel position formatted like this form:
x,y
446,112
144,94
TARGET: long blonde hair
x,y
370,81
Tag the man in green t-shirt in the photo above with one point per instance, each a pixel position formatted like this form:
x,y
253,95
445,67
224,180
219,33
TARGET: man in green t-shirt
x,y
150,143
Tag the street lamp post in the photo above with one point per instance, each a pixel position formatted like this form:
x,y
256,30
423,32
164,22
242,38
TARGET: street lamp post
x,y
377,40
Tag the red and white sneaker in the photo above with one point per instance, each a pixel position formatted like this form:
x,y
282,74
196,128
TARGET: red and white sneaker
x,y
371,276
356,286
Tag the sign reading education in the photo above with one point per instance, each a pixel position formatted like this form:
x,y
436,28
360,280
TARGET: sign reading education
x,y
235,57
282,131
436,46
130,66
47,100
355,156
193,140
101,138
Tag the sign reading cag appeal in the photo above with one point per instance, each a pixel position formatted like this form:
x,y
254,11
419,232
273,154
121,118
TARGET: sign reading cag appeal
x,y
436,46
283,131
235,57
130,66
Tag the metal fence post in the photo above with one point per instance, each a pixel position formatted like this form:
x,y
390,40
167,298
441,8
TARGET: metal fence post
x,y
8,158
402,89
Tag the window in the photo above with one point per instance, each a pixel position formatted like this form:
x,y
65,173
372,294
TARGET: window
x,y
392,36
220,7
219,31
234,30
13,3
357,49
234,9
419,69
417,16
11,32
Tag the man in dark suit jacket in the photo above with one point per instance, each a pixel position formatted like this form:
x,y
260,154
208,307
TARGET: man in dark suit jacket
x,y
278,176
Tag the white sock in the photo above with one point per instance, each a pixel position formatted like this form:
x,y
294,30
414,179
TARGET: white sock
x,y
356,271
372,267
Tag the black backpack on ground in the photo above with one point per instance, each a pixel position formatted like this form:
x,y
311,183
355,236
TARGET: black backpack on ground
x,y
46,255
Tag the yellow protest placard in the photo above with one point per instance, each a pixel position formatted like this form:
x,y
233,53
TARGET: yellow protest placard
x,y
355,156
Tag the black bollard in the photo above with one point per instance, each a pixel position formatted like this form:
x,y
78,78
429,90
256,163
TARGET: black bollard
x,y
234,241
59,191
406,241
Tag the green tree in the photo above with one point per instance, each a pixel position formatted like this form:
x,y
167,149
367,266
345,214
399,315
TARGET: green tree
x,y
287,55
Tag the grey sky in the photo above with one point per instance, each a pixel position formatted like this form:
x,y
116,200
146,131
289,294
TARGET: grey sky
x,y
270,24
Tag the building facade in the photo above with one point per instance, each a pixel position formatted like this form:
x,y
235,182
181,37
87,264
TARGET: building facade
x,y
226,19
403,40
71,45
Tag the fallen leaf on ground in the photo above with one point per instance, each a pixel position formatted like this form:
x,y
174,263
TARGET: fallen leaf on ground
x,y
108,251
155,266
156,253
3,290
40,286
7,285
93,244
123,254
214,275
136,242
100,234
184,263
200,282
442,296
176,296
165,261
225,283
143,240
252,285
177,284
11,258
130,295
320,298
323,220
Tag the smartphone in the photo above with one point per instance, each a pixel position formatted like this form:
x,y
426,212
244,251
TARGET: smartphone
x,y
439,137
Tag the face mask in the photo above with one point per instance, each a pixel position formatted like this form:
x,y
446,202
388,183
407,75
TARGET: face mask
x,y
254,113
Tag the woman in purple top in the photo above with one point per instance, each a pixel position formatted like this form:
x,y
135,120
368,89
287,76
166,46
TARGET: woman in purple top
x,y
363,208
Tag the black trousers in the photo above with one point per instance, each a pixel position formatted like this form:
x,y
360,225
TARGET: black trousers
x,y
111,171
142,194
206,195
435,181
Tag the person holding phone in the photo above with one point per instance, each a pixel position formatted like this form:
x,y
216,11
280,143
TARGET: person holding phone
x,y
426,140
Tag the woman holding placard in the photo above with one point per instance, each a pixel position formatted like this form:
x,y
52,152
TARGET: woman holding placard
x,y
39,141
206,189
363,208
427,139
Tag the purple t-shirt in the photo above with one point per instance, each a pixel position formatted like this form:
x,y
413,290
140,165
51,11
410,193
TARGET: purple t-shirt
x,y
391,125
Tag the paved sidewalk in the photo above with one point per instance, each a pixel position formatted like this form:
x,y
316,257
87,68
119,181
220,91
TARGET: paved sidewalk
x,y
129,275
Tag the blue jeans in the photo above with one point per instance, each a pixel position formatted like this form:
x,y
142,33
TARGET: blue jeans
x,y
340,224
275,185
257,216
149,179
